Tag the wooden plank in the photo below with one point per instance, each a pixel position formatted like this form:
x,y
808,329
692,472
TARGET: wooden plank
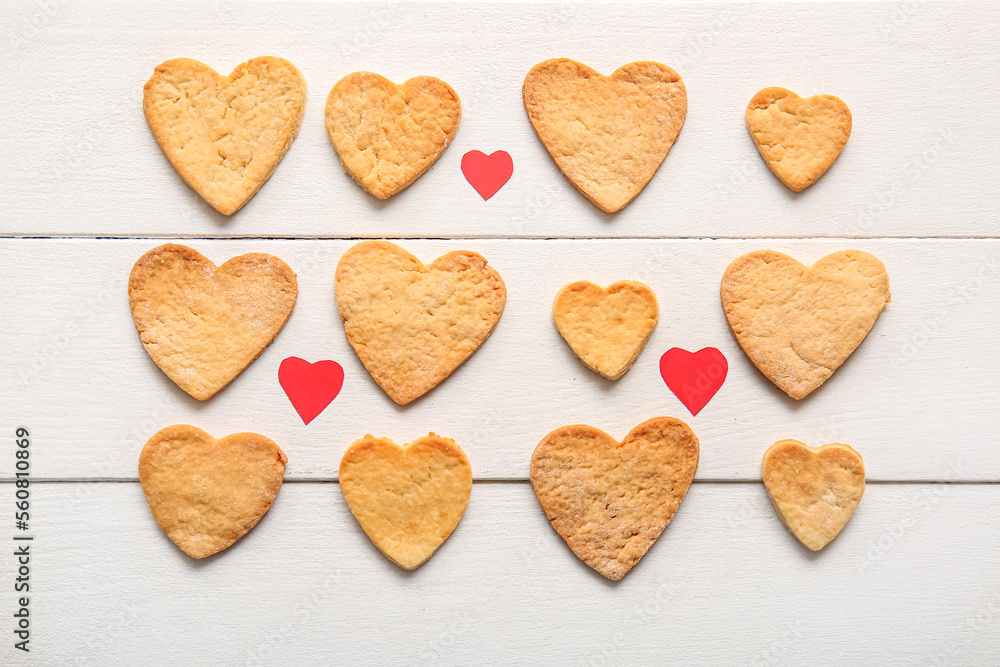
x,y
908,580
81,160
919,398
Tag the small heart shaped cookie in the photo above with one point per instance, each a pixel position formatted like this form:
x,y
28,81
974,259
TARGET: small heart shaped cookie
x,y
606,328
413,324
608,134
225,136
611,500
815,490
205,493
798,137
388,135
799,323
407,499
203,324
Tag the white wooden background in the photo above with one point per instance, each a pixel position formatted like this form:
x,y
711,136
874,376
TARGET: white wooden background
x,y
913,577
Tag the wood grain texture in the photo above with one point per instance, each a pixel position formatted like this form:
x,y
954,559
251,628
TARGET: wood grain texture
x,y
724,584
920,162
910,580
919,398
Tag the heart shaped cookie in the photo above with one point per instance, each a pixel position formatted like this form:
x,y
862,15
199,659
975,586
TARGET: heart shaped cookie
x,y
225,136
608,134
611,500
203,324
388,135
413,324
408,499
798,137
606,328
799,323
205,493
814,489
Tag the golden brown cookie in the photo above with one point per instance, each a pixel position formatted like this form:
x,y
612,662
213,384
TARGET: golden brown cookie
x,y
606,328
204,324
608,134
799,323
407,499
610,500
798,137
205,493
814,489
225,136
413,324
388,135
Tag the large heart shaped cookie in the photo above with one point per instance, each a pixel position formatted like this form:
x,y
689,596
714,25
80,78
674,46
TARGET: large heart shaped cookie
x,y
814,489
407,499
799,323
798,137
611,500
606,328
388,135
412,324
225,136
608,134
203,324
205,493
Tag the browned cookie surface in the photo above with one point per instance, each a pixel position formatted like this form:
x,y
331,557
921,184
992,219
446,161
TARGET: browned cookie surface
x,y
412,324
608,134
205,493
225,135
611,500
204,324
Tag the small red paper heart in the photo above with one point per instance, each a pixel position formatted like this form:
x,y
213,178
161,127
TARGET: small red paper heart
x,y
310,387
487,173
694,377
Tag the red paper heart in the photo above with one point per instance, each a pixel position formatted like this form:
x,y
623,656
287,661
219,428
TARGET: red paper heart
x,y
487,173
694,377
310,387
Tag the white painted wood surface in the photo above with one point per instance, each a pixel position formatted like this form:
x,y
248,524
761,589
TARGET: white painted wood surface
x,y
926,374
905,583
911,580
922,80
